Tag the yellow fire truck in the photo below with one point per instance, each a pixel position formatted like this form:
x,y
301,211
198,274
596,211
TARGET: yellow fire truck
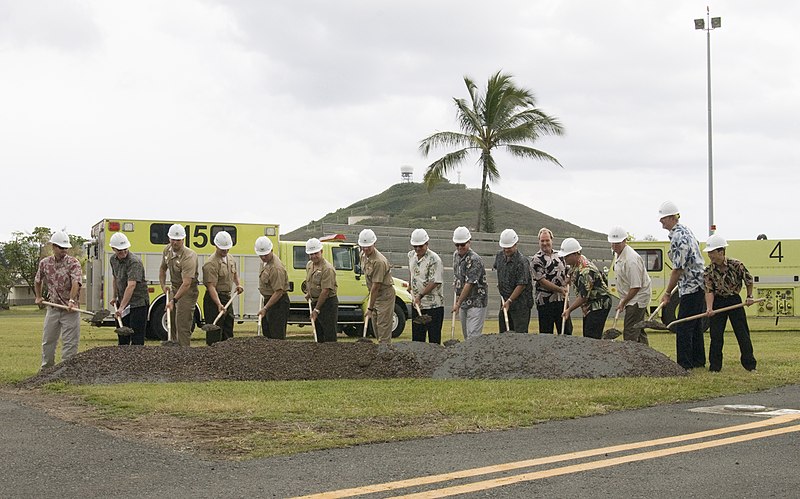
x,y
149,237
775,266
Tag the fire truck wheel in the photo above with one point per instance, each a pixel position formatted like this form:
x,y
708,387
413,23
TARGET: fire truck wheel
x,y
157,325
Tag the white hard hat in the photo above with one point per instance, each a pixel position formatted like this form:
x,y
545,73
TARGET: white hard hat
x,y
60,239
569,246
367,238
176,231
419,237
263,246
461,235
617,234
223,240
715,241
668,208
508,238
313,245
119,241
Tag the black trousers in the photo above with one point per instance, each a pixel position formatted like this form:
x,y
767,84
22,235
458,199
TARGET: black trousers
x,y
136,320
594,322
433,329
519,318
689,343
273,324
210,312
550,315
738,320
328,320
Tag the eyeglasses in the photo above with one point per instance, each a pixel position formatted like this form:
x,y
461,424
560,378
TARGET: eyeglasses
x,y
461,245
417,246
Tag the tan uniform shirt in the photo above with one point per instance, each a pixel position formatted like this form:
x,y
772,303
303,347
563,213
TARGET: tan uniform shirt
x,y
318,279
273,277
180,264
220,273
376,269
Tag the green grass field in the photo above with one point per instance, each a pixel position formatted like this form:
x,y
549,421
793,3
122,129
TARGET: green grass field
x,y
269,418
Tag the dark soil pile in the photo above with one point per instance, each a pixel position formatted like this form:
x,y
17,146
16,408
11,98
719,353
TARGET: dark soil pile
x,y
503,356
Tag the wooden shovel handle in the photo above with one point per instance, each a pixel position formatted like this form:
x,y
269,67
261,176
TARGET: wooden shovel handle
x,y
661,305
225,308
311,316
58,305
723,309
566,303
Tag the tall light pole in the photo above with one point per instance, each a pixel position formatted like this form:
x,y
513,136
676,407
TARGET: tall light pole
x,y
714,22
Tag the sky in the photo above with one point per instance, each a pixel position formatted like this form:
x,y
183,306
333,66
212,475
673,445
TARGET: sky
x,y
284,111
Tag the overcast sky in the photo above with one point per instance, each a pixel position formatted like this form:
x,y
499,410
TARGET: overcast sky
x,y
283,111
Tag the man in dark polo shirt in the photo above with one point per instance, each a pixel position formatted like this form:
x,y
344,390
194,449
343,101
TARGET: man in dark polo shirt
x,y
131,299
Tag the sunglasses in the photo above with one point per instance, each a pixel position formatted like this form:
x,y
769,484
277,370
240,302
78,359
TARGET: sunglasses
x,y
416,246
461,245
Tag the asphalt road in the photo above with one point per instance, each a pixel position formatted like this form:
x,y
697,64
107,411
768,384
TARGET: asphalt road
x,y
43,456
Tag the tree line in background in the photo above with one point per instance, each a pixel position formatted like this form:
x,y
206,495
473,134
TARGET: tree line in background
x,y
19,258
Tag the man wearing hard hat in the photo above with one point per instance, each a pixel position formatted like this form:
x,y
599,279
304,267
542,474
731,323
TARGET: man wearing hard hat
x,y
182,265
633,284
590,286
471,289
378,275
273,284
687,275
514,283
129,286
427,275
220,276
723,281
322,289
61,273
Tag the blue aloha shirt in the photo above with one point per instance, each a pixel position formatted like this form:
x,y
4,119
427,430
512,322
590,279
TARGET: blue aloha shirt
x,y
469,268
684,251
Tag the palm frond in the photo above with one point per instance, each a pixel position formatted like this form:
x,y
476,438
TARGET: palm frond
x,y
439,168
530,153
444,139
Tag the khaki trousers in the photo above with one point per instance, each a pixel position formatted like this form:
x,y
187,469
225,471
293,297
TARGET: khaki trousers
x,y
183,316
64,324
383,315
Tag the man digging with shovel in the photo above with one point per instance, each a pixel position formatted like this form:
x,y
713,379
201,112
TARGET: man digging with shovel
x,y
427,275
220,276
61,273
633,284
129,286
514,283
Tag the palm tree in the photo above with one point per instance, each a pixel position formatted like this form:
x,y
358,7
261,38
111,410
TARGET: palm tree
x,y
504,117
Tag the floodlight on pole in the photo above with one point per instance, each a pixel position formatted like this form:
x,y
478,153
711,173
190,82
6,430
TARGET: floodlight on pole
x,y
713,23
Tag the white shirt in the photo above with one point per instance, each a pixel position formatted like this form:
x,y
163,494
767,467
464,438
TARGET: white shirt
x,y
425,270
630,272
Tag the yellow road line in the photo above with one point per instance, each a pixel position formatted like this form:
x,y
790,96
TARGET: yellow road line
x,y
604,463
425,480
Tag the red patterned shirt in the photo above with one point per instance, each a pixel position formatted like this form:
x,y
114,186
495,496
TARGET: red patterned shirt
x,y
59,277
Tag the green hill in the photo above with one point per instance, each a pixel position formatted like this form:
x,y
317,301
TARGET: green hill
x,y
446,207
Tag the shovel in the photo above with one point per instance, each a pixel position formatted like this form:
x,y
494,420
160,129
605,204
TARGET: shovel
x,y
313,322
169,342
419,319
505,315
452,340
212,328
610,334
97,317
364,338
260,306
566,304
700,316
121,330
650,323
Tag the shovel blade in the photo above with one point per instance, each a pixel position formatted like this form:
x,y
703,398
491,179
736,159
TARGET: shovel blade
x,y
124,331
210,328
656,325
612,333
422,319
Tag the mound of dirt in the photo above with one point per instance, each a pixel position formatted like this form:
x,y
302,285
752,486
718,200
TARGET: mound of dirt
x,y
502,356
